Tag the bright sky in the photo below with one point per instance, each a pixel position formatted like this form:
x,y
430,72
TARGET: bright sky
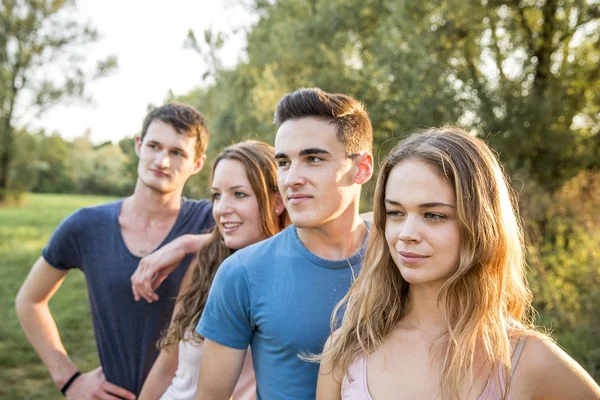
x,y
147,37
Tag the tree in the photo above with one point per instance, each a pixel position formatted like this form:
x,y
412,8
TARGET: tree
x,y
41,64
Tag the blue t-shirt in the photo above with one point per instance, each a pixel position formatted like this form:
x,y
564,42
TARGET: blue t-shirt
x,y
126,331
277,297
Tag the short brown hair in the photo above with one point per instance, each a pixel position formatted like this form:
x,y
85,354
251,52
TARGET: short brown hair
x,y
349,115
185,119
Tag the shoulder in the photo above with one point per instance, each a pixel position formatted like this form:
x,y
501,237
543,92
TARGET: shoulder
x,y
231,270
266,250
560,373
86,216
101,210
541,350
196,215
198,205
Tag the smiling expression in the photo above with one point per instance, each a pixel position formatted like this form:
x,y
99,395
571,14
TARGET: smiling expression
x,y
235,206
421,229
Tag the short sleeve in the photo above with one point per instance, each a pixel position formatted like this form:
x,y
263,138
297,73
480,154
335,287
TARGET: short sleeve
x,y
227,315
62,250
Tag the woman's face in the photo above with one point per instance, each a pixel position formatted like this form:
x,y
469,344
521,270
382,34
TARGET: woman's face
x,y
235,207
421,229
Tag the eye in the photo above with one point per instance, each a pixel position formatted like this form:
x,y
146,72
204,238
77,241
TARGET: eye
x,y
240,195
394,213
434,216
283,163
153,145
313,159
216,196
176,153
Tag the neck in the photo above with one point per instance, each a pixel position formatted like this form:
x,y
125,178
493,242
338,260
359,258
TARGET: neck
x,y
425,314
340,238
149,203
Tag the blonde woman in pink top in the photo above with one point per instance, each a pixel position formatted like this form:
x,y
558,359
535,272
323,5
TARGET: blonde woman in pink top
x,y
247,208
440,308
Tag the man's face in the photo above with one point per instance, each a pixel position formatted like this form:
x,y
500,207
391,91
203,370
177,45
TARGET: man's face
x,y
166,158
315,176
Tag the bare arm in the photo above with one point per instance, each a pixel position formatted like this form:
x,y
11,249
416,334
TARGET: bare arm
x,y
163,371
154,268
41,331
550,373
329,384
220,369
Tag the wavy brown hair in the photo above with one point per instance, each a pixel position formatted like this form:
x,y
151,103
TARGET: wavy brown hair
x,y
486,301
259,163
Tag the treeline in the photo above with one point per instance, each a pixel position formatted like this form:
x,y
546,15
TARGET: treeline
x,y
50,164
45,163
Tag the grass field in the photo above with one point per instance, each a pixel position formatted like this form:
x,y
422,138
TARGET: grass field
x,y
23,233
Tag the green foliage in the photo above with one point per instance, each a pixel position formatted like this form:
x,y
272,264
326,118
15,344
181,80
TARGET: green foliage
x,y
41,57
563,230
50,164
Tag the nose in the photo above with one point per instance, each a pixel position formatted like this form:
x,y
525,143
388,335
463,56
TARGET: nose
x,y
409,231
163,160
222,206
293,177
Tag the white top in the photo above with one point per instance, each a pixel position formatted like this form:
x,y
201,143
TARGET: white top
x,y
185,382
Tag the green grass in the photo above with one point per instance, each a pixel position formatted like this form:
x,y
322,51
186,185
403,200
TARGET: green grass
x,y
24,231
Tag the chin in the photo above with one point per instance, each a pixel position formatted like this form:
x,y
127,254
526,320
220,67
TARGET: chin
x,y
162,189
234,244
302,220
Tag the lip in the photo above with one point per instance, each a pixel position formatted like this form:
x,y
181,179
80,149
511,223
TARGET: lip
x,y
159,173
231,229
411,258
298,198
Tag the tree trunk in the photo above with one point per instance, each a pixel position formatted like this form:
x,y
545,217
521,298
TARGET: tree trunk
x,y
5,158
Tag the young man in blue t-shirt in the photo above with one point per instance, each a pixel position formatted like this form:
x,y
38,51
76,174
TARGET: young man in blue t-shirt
x,y
277,296
107,243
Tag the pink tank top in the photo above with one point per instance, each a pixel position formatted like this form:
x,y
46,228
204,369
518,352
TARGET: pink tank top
x,y
358,388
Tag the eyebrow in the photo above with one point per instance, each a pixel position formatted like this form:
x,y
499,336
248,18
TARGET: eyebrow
x,y
232,187
424,205
305,152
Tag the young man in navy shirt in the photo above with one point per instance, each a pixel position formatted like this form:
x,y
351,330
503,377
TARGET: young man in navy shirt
x,y
107,242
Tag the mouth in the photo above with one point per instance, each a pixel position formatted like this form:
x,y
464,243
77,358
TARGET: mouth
x,y
229,227
408,257
298,198
159,173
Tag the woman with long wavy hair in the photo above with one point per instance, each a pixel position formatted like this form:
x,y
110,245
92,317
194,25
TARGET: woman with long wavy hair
x,y
441,308
247,208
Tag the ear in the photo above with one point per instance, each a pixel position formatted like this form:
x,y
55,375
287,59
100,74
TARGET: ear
x,y
364,166
278,205
138,144
198,164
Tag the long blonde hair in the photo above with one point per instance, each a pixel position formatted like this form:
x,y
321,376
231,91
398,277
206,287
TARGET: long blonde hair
x,y
258,159
486,300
